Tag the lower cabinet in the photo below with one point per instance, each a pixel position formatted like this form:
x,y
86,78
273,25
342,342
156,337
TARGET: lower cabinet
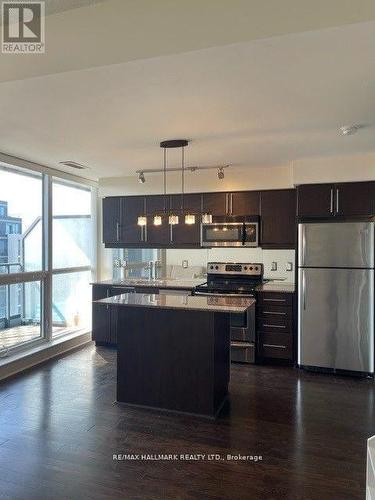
x,y
104,318
276,326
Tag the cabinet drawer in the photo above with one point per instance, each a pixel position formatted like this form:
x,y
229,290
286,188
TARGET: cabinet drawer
x,y
275,324
273,345
274,312
275,298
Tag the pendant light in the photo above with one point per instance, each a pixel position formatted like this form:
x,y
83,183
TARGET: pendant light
x,y
142,220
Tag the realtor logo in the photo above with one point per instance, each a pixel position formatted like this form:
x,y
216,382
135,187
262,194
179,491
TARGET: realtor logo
x,y
23,27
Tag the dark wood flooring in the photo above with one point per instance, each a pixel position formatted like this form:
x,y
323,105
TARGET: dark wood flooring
x,y
59,429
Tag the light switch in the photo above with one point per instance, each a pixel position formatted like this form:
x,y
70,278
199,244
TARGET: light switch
x,y
274,266
185,264
289,266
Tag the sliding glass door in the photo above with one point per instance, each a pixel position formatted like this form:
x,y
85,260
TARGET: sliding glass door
x,y
47,257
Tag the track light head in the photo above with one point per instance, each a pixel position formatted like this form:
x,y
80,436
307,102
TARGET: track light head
x,y
220,173
141,178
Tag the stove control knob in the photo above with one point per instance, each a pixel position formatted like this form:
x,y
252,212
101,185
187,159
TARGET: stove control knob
x,y
245,268
211,267
216,267
251,268
256,268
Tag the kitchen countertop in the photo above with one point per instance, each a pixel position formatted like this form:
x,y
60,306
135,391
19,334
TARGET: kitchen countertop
x,y
173,283
186,303
276,286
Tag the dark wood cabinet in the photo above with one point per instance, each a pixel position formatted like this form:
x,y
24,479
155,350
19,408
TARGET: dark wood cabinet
x,y
276,326
186,235
131,208
278,218
244,203
157,236
355,199
347,199
215,203
111,219
104,318
316,200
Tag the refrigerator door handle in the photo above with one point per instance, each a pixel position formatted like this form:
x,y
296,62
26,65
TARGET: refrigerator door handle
x,y
303,244
331,204
304,290
337,200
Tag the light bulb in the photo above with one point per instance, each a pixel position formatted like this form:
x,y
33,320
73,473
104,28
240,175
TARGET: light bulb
x,y
142,220
189,219
173,220
206,218
158,220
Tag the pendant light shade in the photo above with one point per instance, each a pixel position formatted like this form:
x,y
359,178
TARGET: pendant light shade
x,y
158,220
142,220
206,218
173,220
189,219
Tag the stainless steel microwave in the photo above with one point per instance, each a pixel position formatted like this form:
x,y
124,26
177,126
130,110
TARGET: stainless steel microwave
x,y
229,234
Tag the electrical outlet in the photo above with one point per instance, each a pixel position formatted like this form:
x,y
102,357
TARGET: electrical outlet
x,y
185,264
289,266
273,266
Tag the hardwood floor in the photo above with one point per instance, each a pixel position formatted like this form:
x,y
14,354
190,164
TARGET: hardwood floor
x,y
59,430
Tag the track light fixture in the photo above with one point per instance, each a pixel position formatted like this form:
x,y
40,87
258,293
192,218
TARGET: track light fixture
x,y
220,173
141,178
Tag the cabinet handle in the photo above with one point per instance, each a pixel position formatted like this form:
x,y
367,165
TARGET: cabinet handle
x,y
274,312
231,203
117,231
337,200
275,346
107,298
227,203
141,228
274,300
331,204
171,232
145,233
274,326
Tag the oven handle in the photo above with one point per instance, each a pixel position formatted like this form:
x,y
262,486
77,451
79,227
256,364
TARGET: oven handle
x,y
240,295
243,234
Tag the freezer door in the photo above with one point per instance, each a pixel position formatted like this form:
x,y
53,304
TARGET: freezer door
x,y
336,319
336,244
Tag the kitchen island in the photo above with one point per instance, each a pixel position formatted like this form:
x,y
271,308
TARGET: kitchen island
x,y
174,351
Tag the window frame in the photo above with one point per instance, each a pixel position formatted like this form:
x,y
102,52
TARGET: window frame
x,y
45,275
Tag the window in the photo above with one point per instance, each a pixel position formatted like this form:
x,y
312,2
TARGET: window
x,y
44,289
72,257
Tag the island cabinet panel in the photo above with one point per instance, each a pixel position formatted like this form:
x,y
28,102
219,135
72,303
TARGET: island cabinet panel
x,y
173,359
186,235
276,326
131,208
244,203
316,200
355,199
278,218
111,220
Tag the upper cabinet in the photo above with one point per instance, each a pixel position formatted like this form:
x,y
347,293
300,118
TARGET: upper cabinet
x,y
244,203
131,208
186,235
239,203
111,220
349,199
315,200
157,235
278,218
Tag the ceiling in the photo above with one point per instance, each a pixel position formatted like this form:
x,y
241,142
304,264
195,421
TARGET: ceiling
x,y
262,102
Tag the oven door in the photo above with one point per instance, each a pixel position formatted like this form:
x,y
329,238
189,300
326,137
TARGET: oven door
x,y
222,234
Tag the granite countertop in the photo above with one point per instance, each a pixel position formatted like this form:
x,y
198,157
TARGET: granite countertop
x,y
173,283
186,303
276,286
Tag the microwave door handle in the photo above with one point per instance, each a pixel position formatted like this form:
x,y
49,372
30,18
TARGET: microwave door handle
x,y
243,234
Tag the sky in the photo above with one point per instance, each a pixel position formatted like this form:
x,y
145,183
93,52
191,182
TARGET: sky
x,y
24,196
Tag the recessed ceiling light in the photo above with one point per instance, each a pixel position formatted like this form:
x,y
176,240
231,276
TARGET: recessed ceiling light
x,y
349,129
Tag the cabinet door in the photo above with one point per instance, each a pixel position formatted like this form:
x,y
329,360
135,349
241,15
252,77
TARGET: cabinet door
x,y
215,203
101,319
278,218
131,208
157,236
111,220
187,235
355,199
244,203
316,200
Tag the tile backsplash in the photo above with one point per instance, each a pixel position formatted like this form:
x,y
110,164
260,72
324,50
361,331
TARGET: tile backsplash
x,y
276,262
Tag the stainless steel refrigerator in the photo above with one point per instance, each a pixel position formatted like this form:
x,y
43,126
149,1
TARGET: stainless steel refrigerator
x,y
336,295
